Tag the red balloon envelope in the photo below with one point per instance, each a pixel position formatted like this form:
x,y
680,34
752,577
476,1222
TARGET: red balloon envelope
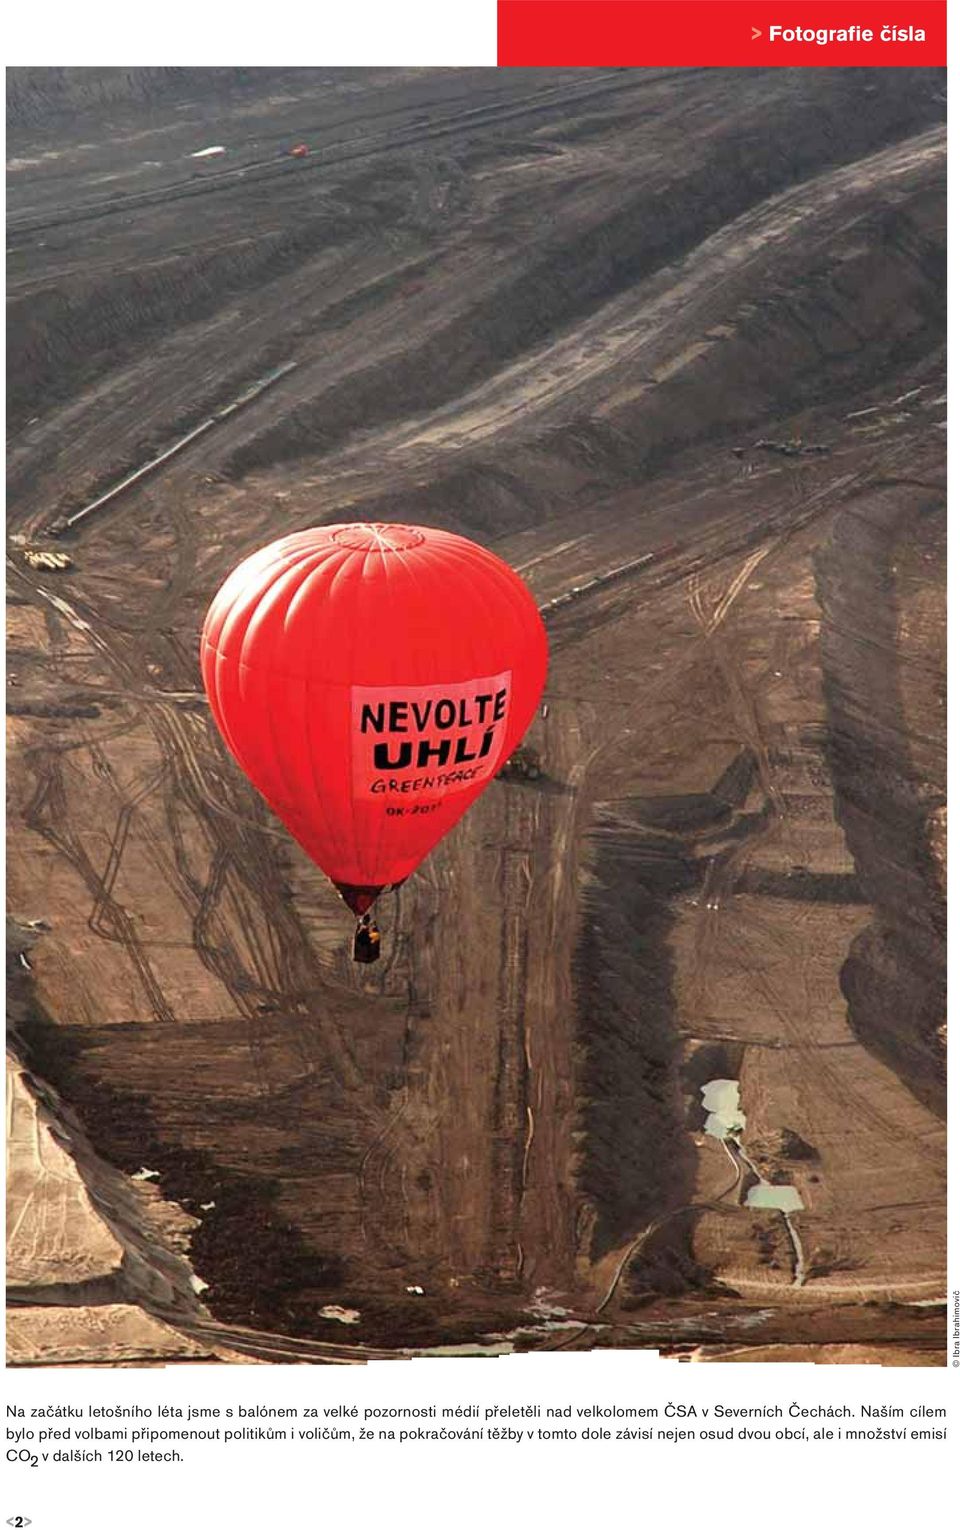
x,y
371,680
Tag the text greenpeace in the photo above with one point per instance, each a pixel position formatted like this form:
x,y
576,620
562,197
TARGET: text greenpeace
x,y
427,739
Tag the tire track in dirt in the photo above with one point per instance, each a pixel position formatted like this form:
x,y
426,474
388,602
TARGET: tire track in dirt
x,y
47,814
294,973
509,1119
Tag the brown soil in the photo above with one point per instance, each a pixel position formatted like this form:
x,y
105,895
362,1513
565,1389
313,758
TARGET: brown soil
x,y
558,312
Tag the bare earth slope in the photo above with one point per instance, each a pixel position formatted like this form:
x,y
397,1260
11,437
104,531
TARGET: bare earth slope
x,y
592,319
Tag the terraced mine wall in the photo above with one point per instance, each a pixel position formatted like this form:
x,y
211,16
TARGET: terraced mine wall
x,y
811,337
593,266
884,686
64,338
638,1162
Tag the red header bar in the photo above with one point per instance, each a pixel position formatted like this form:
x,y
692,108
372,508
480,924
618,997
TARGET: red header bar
x,y
598,33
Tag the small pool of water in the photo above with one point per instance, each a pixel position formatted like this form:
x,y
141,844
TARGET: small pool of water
x,y
721,1101
774,1198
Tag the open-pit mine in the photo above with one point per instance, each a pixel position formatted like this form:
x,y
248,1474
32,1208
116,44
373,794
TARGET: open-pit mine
x,y
654,1055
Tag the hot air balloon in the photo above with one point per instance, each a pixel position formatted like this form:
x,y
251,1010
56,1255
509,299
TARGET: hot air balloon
x,y
371,680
